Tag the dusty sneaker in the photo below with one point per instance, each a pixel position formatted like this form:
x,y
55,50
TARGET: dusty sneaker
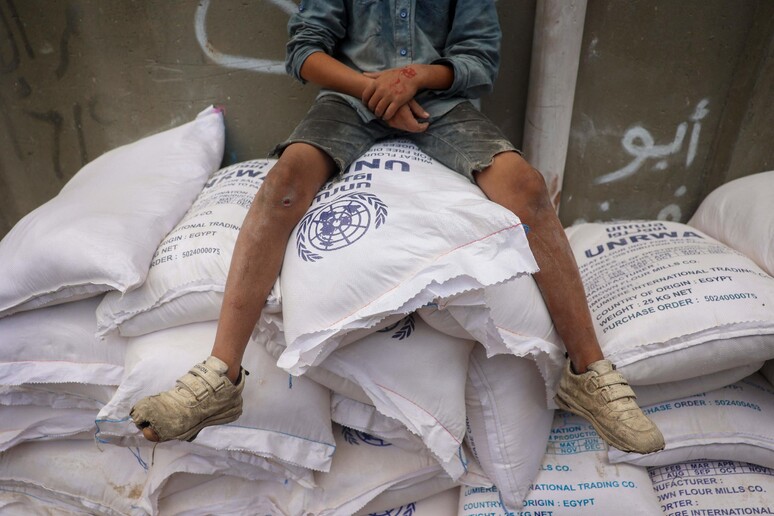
x,y
204,396
603,397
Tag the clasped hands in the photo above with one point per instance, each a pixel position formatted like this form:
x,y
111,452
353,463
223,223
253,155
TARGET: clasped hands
x,y
390,96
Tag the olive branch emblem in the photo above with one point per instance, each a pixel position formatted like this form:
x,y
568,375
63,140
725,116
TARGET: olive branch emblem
x,y
406,328
337,224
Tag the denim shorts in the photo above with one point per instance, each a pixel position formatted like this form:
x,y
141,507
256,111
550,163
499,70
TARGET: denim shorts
x,y
463,139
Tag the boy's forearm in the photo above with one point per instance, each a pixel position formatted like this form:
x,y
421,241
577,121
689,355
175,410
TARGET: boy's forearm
x,y
432,76
325,71
328,72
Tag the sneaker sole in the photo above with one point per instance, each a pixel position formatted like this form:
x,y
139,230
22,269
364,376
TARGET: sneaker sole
x,y
218,419
580,411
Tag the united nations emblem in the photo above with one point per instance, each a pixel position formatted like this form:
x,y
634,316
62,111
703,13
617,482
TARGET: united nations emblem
x,y
338,224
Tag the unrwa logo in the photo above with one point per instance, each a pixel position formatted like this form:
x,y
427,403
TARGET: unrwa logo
x,y
338,224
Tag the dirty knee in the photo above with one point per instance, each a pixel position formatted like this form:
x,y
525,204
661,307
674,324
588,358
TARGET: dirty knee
x,y
282,189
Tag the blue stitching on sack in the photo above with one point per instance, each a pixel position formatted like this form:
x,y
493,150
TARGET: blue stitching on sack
x,y
137,456
97,422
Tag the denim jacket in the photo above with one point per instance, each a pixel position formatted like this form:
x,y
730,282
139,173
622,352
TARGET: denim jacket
x,y
375,35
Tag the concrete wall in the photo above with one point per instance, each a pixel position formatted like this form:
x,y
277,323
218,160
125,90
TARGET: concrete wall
x,y
673,99
79,77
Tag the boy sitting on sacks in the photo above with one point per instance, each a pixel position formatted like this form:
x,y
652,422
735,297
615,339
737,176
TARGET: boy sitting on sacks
x,y
396,68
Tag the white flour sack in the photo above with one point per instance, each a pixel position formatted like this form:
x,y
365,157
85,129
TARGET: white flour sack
x,y
57,344
186,483
659,392
671,303
739,214
188,272
713,488
397,368
396,232
365,418
208,494
73,475
508,422
100,232
365,467
441,504
282,420
23,423
575,479
58,395
731,423
507,318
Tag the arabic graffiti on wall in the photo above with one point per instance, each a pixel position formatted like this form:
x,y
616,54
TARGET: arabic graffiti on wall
x,y
639,143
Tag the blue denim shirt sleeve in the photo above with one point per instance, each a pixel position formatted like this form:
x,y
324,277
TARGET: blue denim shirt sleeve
x,y
472,49
316,27
371,35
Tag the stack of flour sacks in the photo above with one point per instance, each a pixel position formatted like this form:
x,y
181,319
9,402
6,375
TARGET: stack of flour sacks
x,y
404,364
111,291
686,313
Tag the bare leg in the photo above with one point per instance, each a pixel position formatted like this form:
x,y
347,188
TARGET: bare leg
x,y
511,182
283,199
595,391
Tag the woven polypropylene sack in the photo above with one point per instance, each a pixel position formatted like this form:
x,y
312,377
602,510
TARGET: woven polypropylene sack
x,y
575,479
187,276
397,369
732,423
57,344
396,231
204,495
25,423
75,475
365,467
508,422
713,487
284,419
365,418
439,504
671,303
739,214
100,232
509,318
57,395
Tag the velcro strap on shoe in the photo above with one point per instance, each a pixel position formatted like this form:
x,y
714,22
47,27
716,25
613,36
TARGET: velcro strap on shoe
x,y
212,379
617,392
608,379
199,377
194,384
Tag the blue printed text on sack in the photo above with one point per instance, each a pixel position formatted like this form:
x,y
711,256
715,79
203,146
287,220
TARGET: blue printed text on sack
x,y
347,183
